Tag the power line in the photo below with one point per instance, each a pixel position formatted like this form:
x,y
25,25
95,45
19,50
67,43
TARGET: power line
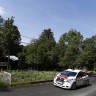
x,y
24,42
26,37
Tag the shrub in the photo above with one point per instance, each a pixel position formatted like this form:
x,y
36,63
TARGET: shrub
x,y
2,84
31,76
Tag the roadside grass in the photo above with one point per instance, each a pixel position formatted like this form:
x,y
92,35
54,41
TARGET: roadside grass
x,y
2,84
19,77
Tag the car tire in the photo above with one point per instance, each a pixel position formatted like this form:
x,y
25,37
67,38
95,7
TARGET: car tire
x,y
87,83
73,86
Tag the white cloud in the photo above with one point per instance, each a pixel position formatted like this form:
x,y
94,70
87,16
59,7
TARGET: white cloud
x,y
2,12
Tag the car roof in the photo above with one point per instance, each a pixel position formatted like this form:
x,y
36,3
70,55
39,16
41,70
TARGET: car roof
x,y
74,70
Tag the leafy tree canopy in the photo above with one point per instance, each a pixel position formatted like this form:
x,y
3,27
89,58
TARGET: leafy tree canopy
x,y
10,37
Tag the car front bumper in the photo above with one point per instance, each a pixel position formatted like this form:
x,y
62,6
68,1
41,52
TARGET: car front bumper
x,y
65,85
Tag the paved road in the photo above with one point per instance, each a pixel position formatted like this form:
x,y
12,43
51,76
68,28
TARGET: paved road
x,y
47,89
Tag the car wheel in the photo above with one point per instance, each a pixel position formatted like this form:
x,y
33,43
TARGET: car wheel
x,y
73,86
87,82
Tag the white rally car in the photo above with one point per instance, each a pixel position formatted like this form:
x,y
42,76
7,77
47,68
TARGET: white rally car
x,y
70,79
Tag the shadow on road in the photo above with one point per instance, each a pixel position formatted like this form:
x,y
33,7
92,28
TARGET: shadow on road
x,y
80,87
5,90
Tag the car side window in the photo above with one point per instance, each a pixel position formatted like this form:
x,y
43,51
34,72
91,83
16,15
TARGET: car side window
x,y
80,74
83,74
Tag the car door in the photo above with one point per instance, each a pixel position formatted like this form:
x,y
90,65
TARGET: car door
x,y
83,77
79,79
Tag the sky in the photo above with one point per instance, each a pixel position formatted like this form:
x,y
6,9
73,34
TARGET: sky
x,y
33,16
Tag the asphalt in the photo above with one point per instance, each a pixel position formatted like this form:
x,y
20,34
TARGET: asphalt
x,y
48,89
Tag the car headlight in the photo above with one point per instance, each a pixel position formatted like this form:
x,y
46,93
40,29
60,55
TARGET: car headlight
x,y
69,80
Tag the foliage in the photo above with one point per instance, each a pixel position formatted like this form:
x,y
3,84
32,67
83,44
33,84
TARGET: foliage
x,y
2,84
31,76
87,56
21,56
70,52
69,47
40,53
1,47
10,38
45,53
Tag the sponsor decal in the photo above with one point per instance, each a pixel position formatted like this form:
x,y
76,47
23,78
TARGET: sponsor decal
x,y
63,77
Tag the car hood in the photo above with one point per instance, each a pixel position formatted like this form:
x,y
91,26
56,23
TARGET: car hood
x,y
65,77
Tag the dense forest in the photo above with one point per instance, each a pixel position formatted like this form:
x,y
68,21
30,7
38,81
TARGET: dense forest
x,y
44,53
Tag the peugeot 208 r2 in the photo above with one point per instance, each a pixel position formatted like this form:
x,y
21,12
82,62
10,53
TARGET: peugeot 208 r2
x,y
70,79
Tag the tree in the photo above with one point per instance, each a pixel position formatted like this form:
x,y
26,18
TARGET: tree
x,y
1,21
22,64
10,37
69,46
1,47
45,49
40,52
87,57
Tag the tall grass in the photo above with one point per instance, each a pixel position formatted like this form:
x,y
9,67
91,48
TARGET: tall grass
x,y
31,76
2,84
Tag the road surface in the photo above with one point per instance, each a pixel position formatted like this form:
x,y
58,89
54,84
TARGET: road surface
x,y
47,89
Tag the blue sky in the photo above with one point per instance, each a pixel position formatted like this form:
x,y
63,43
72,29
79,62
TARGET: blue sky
x,y
33,16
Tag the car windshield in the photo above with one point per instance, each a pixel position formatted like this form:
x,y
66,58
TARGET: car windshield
x,y
68,73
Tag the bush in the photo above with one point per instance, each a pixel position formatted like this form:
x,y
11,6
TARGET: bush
x,y
95,68
31,76
2,84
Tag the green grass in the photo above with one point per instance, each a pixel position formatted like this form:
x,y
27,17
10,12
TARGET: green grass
x,y
2,84
31,76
